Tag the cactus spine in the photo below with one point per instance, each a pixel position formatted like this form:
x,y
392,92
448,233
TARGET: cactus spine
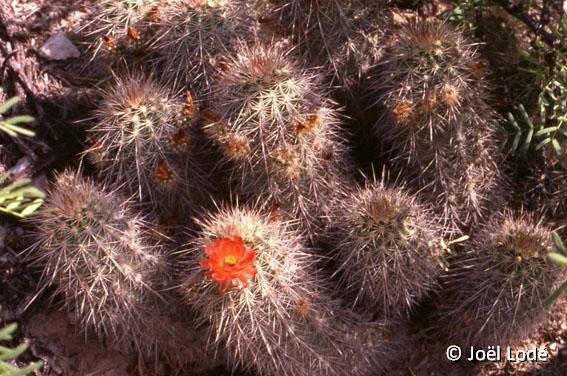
x,y
496,289
386,248
277,132
434,88
254,285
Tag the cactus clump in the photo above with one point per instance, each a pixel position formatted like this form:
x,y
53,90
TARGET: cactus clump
x,y
495,291
142,141
432,83
97,254
385,248
255,287
195,35
277,133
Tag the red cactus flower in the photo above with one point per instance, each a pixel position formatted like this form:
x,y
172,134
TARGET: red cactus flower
x,y
230,262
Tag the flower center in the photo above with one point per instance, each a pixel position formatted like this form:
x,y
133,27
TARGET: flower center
x,y
230,260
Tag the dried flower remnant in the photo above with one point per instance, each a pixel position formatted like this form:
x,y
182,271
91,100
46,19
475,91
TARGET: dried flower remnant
x,y
179,141
402,111
303,127
188,109
109,42
230,262
164,175
210,117
153,15
133,33
236,147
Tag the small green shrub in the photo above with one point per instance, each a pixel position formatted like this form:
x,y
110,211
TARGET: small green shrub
x,y
7,354
18,198
559,256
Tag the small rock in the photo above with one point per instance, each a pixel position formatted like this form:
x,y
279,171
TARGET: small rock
x,y
58,47
20,168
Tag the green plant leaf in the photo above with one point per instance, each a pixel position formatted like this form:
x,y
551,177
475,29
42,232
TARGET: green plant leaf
x,y
21,119
558,243
547,130
19,198
8,354
558,258
555,295
8,104
9,125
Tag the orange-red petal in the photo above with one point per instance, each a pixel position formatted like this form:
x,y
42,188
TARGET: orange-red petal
x,y
224,273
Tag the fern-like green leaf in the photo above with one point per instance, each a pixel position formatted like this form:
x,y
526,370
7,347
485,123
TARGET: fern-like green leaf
x,y
10,125
8,354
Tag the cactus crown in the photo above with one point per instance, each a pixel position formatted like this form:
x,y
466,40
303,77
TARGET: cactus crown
x,y
267,105
80,209
343,36
260,234
385,250
500,284
262,83
442,71
270,260
140,111
204,15
138,126
385,213
130,11
522,248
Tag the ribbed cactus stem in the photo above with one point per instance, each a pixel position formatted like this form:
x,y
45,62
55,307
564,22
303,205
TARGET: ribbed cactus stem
x,y
99,256
277,133
386,248
143,140
195,35
495,290
345,37
255,286
433,84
